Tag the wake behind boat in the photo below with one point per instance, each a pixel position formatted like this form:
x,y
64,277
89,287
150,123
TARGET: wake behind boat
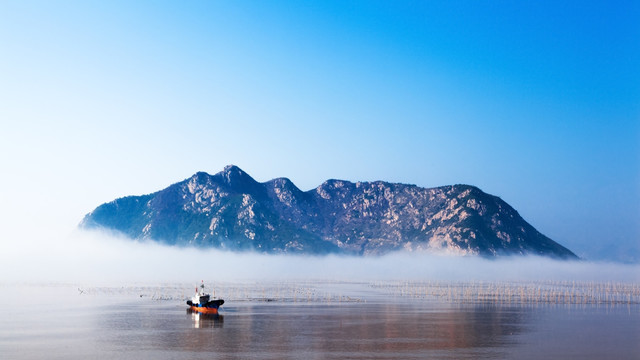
x,y
202,302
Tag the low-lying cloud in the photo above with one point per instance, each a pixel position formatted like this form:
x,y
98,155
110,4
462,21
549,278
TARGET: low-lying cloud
x,y
100,258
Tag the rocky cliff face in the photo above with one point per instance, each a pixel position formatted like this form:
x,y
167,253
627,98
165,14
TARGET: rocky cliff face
x,y
231,210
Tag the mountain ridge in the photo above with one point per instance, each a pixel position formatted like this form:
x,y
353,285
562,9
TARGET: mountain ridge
x,y
231,210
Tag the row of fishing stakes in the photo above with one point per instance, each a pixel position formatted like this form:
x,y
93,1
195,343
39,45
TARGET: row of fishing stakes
x,y
549,292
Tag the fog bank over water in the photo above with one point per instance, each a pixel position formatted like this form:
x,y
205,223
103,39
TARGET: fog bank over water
x,y
106,259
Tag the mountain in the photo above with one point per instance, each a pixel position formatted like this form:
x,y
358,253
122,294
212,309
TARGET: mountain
x,y
230,210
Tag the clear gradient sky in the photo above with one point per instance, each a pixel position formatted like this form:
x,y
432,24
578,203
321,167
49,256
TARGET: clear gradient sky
x,y
536,102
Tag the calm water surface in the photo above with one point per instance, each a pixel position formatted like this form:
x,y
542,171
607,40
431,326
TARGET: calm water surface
x,y
57,322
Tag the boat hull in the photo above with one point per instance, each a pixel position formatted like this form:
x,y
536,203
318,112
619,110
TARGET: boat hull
x,y
204,310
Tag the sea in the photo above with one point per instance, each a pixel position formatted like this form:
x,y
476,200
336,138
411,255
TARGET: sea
x,y
321,319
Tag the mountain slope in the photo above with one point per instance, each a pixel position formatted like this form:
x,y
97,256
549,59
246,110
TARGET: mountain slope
x,y
231,210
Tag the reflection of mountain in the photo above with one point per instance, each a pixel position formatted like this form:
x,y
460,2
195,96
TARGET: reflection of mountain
x,y
397,329
355,331
233,211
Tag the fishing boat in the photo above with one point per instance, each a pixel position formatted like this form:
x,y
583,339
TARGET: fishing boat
x,y
202,302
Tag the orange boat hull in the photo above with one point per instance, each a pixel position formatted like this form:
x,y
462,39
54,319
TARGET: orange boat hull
x,y
204,310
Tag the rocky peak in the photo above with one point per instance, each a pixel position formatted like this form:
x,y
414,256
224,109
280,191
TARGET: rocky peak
x,y
238,180
233,173
282,183
200,178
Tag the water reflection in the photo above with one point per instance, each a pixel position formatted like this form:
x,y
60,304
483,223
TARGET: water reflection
x,y
201,320
383,328
350,331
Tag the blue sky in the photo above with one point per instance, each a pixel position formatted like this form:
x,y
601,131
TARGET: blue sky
x,y
538,103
